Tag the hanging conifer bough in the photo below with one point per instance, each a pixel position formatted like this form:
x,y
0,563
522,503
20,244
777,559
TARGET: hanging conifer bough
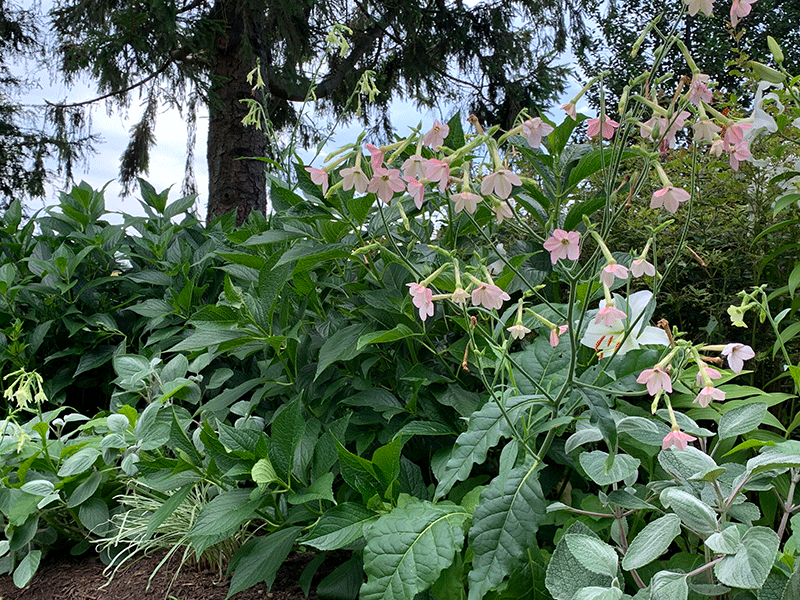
x,y
493,59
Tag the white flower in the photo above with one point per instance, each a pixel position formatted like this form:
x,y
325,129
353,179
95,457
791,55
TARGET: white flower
x,y
605,338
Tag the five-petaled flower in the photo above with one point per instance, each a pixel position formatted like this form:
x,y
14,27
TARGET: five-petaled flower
x,y
435,137
319,177
739,9
422,298
669,197
704,130
502,210
699,90
612,270
737,354
415,166
534,130
438,170
641,266
656,379
563,244
354,177
593,127
518,331
489,295
609,314
697,5
466,201
416,190
707,395
385,183
500,182
677,438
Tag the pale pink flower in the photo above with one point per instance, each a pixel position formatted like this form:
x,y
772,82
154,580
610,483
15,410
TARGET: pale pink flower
x,y
735,133
677,124
415,166
319,177
518,331
422,298
705,130
669,197
435,137
459,296
737,354
354,177
500,182
678,439
569,108
377,157
612,270
438,171
717,148
593,127
739,9
739,152
385,183
609,314
697,5
534,130
656,379
489,295
640,267
416,190
563,244
707,395
653,128
466,201
699,90
555,332
502,210
711,372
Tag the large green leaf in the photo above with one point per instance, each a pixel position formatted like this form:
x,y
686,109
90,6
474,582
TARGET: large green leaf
x,y
667,585
79,462
340,526
741,420
27,568
342,345
541,367
504,526
486,427
259,559
408,548
593,554
220,518
286,433
651,542
694,513
751,564
565,574
596,465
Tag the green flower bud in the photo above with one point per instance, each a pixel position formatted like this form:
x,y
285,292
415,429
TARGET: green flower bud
x,y
766,73
777,53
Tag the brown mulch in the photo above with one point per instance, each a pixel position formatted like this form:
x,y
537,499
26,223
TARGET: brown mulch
x,y
79,578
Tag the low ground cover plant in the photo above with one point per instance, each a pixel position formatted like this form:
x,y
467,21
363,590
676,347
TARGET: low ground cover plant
x,y
435,355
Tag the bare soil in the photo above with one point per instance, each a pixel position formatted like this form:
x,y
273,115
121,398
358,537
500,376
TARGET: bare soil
x,y
67,577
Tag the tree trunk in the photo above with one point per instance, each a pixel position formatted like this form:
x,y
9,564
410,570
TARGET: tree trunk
x,y
235,181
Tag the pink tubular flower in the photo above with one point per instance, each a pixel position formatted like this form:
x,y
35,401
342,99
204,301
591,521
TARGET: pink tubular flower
x,y
563,244
502,210
593,127
710,372
669,197
707,394
739,9
377,157
609,314
354,177
705,131
717,148
656,379
319,177
696,5
416,190
534,130
699,90
653,128
518,331
489,295
435,137
737,354
500,182
415,166
555,332
677,124
735,133
739,152
678,439
569,108
640,267
612,270
466,201
438,170
422,298
385,183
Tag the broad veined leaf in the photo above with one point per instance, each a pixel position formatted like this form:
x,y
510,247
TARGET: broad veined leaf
x,y
286,432
340,526
593,554
79,462
667,585
724,542
598,593
342,345
408,548
26,568
486,427
220,517
651,542
741,420
566,575
596,466
751,564
693,512
259,559
541,367
504,526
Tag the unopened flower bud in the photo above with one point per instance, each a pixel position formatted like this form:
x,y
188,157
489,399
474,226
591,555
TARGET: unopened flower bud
x,y
777,53
766,73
